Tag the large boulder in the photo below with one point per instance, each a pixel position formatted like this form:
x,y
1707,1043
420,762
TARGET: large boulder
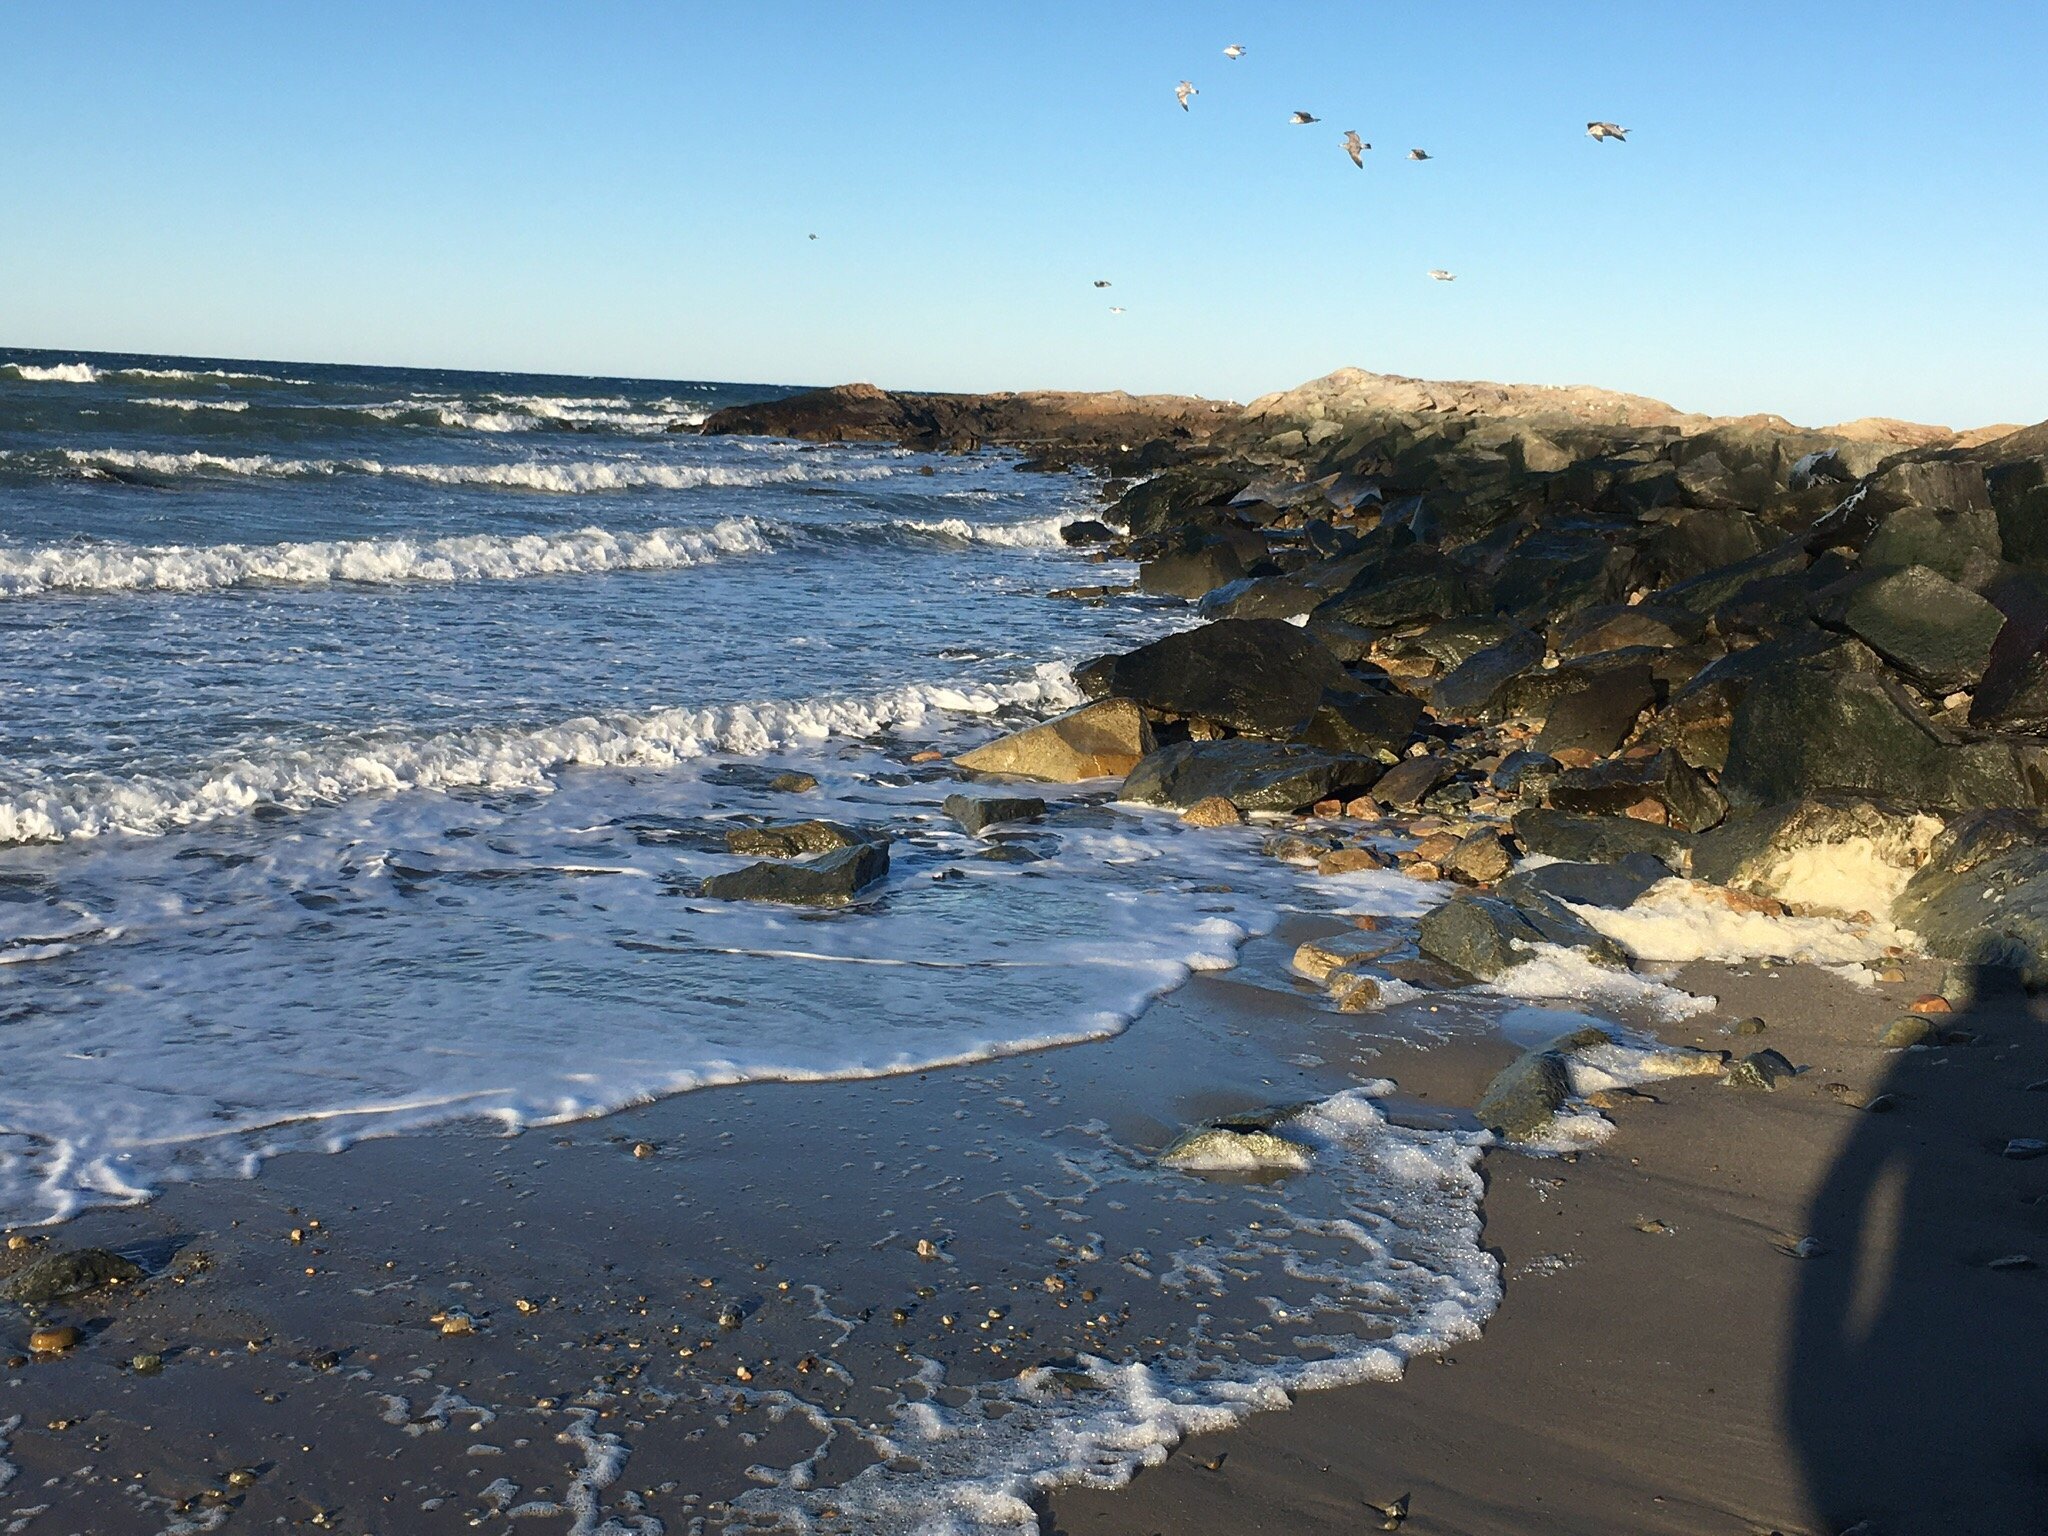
x,y
1613,626
1478,936
1963,546
1826,853
1192,572
1363,722
1251,775
823,880
792,839
1264,677
1601,839
1476,688
1934,630
1097,741
1631,785
1817,729
1598,717
1613,885
1522,1101
1982,895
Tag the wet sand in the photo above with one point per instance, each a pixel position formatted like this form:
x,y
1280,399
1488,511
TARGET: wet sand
x,y
434,1333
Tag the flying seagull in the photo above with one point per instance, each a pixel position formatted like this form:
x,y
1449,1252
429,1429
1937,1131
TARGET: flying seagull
x,y
814,237
1304,117
1418,154
1116,309
1598,131
1234,51
1355,147
1184,90
1102,282
1442,276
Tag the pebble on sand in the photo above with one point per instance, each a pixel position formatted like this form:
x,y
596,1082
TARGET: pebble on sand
x,y
54,1341
1213,811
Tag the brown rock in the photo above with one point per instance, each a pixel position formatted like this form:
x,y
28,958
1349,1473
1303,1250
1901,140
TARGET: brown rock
x,y
1652,811
1327,808
1100,740
1349,861
1931,1003
1364,808
1354,991
1480,859
1437,847
1215,811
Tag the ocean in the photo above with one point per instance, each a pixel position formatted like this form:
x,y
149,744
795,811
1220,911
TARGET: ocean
x,y
365,735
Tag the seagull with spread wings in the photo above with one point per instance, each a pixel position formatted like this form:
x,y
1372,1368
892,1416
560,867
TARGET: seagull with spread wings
x,y
1234,51
1183,91
1355,147
1598,131
1299,118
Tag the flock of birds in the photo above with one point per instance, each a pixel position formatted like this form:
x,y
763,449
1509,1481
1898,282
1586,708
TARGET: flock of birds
x,y
1356,147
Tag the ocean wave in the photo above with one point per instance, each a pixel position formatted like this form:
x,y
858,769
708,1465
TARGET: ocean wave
x,y
193,405
567,477
87,373
477,557
1036,533
497,757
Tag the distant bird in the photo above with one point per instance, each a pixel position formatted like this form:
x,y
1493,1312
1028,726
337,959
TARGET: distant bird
x,y
1598,131
1102,282
1184,90
1355,147
1442,276
1116,309
1234,51
1303,117
1419,154
814,237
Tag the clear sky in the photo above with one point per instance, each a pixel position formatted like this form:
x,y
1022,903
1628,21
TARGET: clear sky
x,y
1825,208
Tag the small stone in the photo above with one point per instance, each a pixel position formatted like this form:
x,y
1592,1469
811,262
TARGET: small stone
x,y
1350,861
1891,975
1903,1033
2024,1148
54,1341
1055,1283
927,756
1933,1002
1364,808
147,1365
1655,1228
1759,1069
1422,869
643,1149
1750,1026
1842,1093
242,1477
1436,848
793,783
1575,757
730,1316
743,1373
457,1324
1481,859
1354,992
1805,1248
18,1243
1648,809
927,1249
1366,922
525,1305
1327,808
1213,811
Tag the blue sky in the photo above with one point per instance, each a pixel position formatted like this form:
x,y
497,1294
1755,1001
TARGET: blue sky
x,y
1825,209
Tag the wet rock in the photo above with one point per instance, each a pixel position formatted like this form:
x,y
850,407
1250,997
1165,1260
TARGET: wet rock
x,y
1364,723
1253,775
54,1341
824,880
1264,677
1408,782
1961,545
1233,1148
1193,571
1477,688
1478,936
1522,1101
1935,631
1085,531
1758,1070
1298,847
1351,861
1557,924
1414,587
793,783
1618,787
70,1272
1982,896
1613,885
1213,811
1523,773
974,812
1317,958
794,839
1100,740
1600,840
1750,1026
1354,991
1615,625
1598,718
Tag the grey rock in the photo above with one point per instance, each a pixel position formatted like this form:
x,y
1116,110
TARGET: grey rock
x,y
974,812
1587,885
1982,896
1599,717
1690,803
1478,936
1252,775
793,839
1364,723
823,880
1475,689
1522,1101
1264,677
1601,839
1758,1070
1408,783
70,1272
1934,630
1613,626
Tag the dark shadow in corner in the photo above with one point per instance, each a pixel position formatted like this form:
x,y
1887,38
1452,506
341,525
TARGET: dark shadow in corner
x,y
1917,1373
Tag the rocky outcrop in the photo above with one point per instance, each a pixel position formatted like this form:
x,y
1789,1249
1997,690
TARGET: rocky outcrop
x,y
1263,677
823,880
976,813
1251,775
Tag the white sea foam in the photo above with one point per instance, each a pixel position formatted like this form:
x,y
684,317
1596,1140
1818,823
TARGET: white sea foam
x,y
475,557
87,373
559,476
1677,921
495,758
1400,1272
52,373
1554,972
1036,533
170,404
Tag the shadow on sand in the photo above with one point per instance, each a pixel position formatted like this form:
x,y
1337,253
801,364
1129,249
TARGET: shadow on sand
x,y
1917,1374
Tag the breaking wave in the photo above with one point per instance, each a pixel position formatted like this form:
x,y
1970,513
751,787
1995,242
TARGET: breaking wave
x,y
477,557
501,758
561,477
86,373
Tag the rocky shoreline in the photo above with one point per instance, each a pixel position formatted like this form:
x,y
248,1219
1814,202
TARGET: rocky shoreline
x,y
1809,666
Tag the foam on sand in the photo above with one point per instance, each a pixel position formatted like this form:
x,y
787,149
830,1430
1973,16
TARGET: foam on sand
x,y
476,557
1677,921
